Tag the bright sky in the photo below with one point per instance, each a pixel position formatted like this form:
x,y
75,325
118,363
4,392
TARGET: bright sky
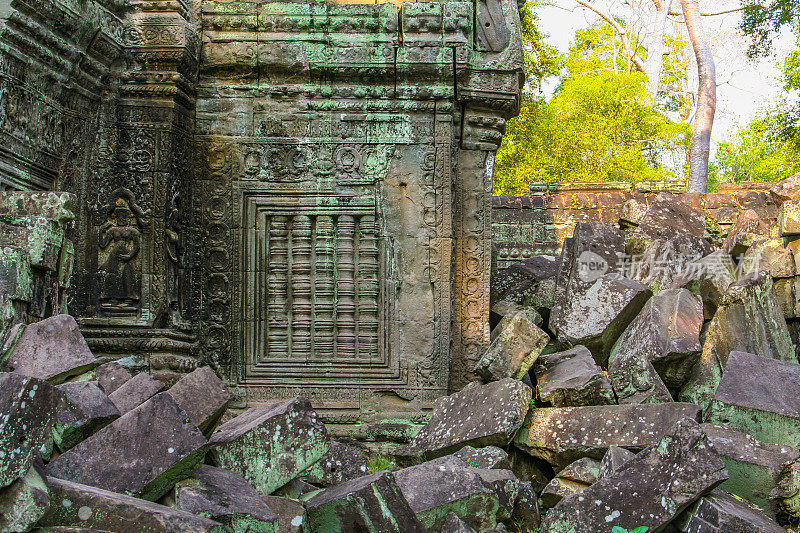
x,y
743,86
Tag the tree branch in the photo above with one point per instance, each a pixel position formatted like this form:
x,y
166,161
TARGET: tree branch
x,y
623,34
733,10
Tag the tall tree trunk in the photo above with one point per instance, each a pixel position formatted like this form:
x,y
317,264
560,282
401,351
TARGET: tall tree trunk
x,y
706,98
655,55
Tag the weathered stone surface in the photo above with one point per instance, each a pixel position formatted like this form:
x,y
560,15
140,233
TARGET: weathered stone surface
x,y
370,503
749,228
27,413
572,479
343,462
526,515
514,351
111,376
761,397
632,212
479,416
52,349
143,453
272,444
789,217
614,459
296,489
503,484
787,492
786,189
23,502
665,218
135,392
291,513
749,320
561,435
770,255
488,457
662,260
87,410
754,467
507,311
597,316
77,505
650,490
571,379
719,512
660,347
531,282
227,498
453,524
708,278
446,484
591,252
203,396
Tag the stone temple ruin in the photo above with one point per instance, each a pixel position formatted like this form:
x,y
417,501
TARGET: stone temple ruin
x,y
252,279
296,193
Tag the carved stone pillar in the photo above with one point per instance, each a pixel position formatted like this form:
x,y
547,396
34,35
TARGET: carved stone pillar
x,y
139,299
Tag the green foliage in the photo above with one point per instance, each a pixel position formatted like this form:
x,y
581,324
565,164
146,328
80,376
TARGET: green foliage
x,y
640,529
767,149
599,126
542,60
378,463
761,20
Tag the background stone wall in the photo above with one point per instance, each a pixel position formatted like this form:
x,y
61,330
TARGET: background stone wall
x,y
525,226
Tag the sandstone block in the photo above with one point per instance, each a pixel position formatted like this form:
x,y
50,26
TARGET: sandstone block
x,y
142,453
369,503
488,457
572,479
453,524
111,376
708,278
789,217
719,512
748,229
614,459
514,351
203,396
227,498
291,513
86,410
479,416
52,349
27,413
761,397
561,435
650,490
571,379
343,462
135,392
23,502
82,506
270,445
446,484
596,317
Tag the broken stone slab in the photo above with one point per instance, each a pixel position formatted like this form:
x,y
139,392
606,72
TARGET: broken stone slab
x,y
708,278
291,513
271,444
227,498
666,217
591,252
485,415
787,492
24,502
111,376
343,462
720,512
142,453
135,392
770,255
635,380
514,351
52,349
369,503
786,189
571,379
83,506
86,410
748,229
614,459
574,478
596,317
526,516
435,488
761,397
663,260
507,311
488,457
453,524
754,467
561,435
503,484
789,218
297,489
529,469
530,282
27,413
666,333
204,397
749,320
650,490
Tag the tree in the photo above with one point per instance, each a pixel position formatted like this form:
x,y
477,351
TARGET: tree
x,y
761,22
600,125
706,98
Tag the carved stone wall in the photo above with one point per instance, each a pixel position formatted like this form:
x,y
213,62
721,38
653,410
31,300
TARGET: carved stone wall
x,y
297,193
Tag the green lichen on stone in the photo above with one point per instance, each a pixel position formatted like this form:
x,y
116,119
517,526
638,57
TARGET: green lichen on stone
x,y
24,502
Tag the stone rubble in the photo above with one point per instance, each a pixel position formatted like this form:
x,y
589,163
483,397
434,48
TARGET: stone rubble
x,y
585,412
